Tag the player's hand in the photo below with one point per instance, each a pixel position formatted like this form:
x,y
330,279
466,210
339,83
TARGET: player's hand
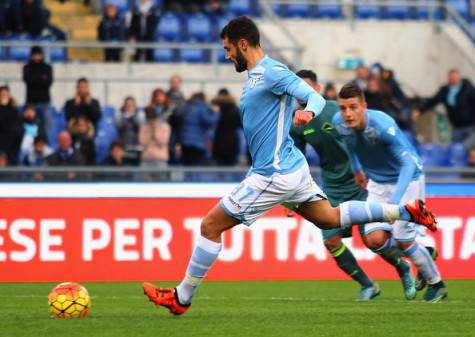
x,y
360,180
302,117
415,115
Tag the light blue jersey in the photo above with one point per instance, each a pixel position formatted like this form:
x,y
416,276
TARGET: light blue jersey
x,y
266,112
382,151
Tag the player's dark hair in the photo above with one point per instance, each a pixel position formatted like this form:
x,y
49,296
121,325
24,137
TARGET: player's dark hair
x,y
351,90
306,73
241,27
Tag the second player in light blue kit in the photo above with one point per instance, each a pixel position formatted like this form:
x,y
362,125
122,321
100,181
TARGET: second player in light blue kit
x,y
379,149
279,173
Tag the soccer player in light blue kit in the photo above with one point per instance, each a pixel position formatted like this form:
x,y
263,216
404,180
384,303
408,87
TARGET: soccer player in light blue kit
x,y
379,149
279,174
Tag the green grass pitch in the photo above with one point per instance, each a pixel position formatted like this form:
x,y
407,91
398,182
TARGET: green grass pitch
x,y
298,308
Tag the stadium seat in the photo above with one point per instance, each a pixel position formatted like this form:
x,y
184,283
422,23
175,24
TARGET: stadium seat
x,y
298,11
328,12
424,13
58,124
19,54
457,155
166,55
122,5
222,56
194,55
367,11
461,7
240,7
396,12
219,25
432,154
57,54
169,28
199,28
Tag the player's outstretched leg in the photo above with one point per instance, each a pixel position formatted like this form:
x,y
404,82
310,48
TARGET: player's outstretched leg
x,y
178,300
346,261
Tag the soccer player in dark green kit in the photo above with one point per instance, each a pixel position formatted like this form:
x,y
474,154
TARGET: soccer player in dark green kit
x,y
340,184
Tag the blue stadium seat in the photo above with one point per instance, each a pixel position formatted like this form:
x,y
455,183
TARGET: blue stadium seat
x,y
277,9
461,7
367,11
299,11
58,124
424,13
166,55
20,54
432,154
219,25
222,56
199,27
312,157
194,55
169,28
396,12
328,12
56,54
457,155
122,5
240,7
106,133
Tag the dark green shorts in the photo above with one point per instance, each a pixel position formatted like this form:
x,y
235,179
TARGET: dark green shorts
x,y
337,198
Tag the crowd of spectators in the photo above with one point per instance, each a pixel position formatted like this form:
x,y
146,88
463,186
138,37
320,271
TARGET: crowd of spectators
x,y
143,22
29,17
173,129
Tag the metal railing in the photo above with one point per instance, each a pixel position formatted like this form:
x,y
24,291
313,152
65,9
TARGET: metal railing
x,y
180,174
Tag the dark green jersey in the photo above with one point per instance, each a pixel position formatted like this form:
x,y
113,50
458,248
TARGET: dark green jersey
x,y
337,176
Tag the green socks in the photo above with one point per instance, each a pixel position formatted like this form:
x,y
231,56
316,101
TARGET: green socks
x,y
347,262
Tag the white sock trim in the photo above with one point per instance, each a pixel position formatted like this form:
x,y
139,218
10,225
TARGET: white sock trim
x,y
208,245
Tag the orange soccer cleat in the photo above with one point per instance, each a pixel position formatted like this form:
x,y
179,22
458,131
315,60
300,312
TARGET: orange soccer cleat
x,y
421,215
165,297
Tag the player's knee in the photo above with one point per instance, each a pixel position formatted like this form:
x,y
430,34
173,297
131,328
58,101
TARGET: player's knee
x,y
332,243
209,230
374,243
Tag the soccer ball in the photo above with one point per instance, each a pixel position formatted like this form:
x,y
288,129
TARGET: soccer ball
x,y
69,300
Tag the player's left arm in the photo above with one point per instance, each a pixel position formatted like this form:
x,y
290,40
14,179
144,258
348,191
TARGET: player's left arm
x,y
394,138
280,80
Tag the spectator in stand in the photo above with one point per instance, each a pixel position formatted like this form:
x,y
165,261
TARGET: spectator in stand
x,y
82,105
65,155
33,17
36,155
154,137
458,97
38,77
111,29
362,77
471,157
176,101
159,105
399,105
116,155
330,92
226,139
82,133
128,121
374,96
31,130
197,121
3,159
215,8
175,93
11,129
143,26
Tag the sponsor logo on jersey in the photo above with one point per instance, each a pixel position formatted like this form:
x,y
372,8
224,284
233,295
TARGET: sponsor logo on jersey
x,y
391,131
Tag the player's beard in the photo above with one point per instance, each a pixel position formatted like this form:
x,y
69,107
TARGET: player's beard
x,y
240,63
